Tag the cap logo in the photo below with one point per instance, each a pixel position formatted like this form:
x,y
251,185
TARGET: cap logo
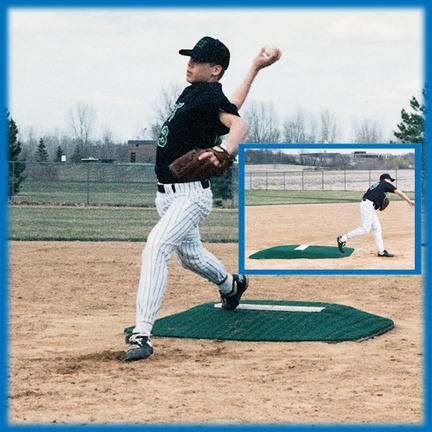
x,y
201,43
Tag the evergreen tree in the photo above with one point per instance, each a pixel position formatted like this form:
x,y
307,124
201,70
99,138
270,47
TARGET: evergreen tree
x,y
41,154
411,129
222,185
16,166
77,155
59,154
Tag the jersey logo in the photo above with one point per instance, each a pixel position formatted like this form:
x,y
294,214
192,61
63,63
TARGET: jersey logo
x,y
374,186
174,110
165,130
163,137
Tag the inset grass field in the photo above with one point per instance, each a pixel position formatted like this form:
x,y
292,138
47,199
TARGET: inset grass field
x,y
286,197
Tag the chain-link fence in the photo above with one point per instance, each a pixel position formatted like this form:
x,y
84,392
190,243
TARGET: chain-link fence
x,y
117,184
92,183
329,180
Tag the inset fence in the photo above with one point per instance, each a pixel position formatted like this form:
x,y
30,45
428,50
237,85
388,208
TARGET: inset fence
x,y
330,180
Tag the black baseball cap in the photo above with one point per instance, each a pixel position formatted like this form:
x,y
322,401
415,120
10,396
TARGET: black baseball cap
x,y
386,176
209,50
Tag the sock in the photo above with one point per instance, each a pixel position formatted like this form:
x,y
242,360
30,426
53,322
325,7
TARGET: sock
x,y
143,328
344,238
227,285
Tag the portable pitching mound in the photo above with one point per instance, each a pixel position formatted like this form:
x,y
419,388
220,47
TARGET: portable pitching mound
x,y
301,251
273,321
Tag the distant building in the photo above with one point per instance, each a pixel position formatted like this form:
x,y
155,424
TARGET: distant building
x,y
142,151
364,155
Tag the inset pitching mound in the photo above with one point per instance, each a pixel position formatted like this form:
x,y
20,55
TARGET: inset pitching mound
x,y
301,251
273,321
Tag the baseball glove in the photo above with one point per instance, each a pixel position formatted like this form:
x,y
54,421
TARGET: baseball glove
x,y
188,168
384,204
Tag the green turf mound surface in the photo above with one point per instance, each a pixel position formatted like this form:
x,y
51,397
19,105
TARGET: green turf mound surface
x,y
301,251
276,321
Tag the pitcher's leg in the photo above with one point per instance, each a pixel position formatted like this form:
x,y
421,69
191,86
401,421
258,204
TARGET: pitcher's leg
x,y
152,283
164,239
367,213
193,256
377,232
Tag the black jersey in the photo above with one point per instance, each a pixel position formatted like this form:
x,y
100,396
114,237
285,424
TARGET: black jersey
x,y
193,123
378,191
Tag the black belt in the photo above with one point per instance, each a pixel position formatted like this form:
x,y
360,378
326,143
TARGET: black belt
x,y
375,206
162,187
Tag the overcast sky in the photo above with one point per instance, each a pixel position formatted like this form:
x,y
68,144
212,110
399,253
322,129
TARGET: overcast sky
x,y
357,63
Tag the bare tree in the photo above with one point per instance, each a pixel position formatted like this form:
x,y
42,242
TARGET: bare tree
x,y
342,160
262,122
312,131
155,130
107,142
163,107
295,128
304,128
81,119
29,141
410,158
368,132
328,128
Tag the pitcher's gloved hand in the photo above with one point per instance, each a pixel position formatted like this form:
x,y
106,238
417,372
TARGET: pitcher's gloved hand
x,y
384,204
190,167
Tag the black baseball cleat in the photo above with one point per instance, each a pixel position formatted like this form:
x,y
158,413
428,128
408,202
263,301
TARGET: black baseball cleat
x,y
341,244
140,347
384,253
231,300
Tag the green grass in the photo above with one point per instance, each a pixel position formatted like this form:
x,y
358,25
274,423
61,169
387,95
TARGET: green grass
x,y
27,223
284,197
131,194
79,193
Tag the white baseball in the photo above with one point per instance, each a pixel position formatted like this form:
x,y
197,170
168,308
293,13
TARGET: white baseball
x,y
269,50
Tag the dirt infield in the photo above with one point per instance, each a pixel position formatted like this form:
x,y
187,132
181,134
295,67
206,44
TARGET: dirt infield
x,y
320,224
69,303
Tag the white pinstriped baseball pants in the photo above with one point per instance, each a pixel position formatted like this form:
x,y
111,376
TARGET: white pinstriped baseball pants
x,y
369,221
176,232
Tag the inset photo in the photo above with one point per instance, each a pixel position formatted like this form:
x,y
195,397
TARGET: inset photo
x,y
320,209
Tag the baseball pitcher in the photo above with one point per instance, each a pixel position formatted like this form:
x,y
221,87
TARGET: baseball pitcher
x,y
187,155
374,199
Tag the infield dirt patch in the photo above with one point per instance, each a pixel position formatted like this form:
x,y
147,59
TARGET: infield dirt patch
x,y
320,225
70,301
